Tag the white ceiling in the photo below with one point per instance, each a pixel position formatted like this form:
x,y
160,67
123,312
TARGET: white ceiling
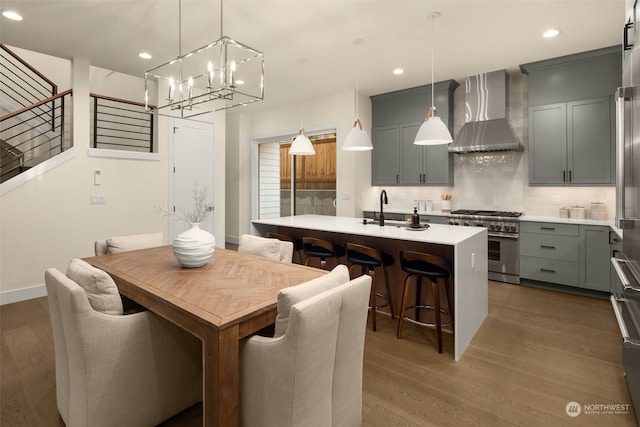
x,y
471,36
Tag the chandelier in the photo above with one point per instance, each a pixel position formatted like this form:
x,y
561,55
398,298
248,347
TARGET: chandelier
x,y
222,74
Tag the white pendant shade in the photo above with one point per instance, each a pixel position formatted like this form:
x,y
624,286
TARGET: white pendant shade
x,y
433,131
357,139
301,146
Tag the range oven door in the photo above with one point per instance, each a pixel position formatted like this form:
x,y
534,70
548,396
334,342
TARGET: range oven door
x,y
503,262
625,300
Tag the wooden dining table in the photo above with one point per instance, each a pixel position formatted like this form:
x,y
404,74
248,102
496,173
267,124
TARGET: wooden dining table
x,y
231,297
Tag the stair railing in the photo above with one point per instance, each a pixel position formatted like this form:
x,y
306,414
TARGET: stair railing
x,y
21,84
119,124
39,132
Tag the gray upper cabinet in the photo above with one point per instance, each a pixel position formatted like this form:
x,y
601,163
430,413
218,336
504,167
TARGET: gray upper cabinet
x,y
386,158
571,118
397,116
571,143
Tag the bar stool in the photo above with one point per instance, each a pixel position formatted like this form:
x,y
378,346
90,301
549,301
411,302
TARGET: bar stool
x,y
297,244
368,259
437,270
318,248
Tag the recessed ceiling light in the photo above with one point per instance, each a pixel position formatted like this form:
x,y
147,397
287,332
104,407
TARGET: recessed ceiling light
x,y
398,71
550,33
239,82
145,55
14,16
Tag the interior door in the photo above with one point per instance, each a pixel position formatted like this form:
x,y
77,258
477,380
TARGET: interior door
x,y
192,152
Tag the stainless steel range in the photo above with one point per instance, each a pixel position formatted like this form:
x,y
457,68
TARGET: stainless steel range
x,y
503,230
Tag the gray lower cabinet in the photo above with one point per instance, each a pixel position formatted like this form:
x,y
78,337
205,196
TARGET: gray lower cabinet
x,y
572,143
596,256
391,216
433,219
566,254
550,252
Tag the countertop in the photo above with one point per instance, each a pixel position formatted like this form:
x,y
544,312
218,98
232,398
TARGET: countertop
x,y
436,233
531,218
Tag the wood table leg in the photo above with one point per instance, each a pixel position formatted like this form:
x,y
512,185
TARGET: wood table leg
x,y
221,354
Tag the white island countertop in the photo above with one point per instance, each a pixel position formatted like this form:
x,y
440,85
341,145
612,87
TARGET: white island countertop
x,y
436,233
467,246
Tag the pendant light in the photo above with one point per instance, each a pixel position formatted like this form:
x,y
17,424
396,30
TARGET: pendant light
x,y
357,139
433,130
302,146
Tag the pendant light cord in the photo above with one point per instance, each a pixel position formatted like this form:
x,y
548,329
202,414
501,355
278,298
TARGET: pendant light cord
x,y
221,14
179,28
433,43
358,42
302,61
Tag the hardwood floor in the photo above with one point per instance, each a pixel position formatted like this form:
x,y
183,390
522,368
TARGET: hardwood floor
x,y
537,351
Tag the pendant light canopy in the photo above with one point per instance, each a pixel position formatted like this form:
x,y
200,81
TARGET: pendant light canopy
x,y
302,146
433,130
357,139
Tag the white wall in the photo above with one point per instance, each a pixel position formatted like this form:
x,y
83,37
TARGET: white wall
x,y
47,221
336,111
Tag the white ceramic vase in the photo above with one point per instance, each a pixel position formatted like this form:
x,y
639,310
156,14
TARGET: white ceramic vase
x,y
194,247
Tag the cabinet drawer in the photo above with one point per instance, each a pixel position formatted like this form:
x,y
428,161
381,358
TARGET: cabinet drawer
x,y
549,270
564,248
550,228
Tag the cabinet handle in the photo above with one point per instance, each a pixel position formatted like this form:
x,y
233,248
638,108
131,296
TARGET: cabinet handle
x,y
547,247
546,270
397,179
564,176
548,228
569,176
625,35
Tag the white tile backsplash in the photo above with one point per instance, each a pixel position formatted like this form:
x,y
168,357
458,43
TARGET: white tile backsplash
x,y
497,181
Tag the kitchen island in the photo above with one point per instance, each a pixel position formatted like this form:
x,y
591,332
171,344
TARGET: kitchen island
x,y
465,247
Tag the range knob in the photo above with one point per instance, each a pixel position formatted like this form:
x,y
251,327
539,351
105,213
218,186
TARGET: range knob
x,y
513,228
456,223
492,227
450,222
498,227
480,224
466,224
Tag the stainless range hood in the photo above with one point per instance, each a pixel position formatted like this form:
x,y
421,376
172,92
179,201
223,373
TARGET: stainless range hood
x,y
486,127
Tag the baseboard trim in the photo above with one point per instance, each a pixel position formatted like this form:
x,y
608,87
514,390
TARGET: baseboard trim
x,y
23,294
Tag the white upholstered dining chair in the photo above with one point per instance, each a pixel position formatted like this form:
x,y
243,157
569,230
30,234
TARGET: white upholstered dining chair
x,y
114,369
310,372
266,247
114,245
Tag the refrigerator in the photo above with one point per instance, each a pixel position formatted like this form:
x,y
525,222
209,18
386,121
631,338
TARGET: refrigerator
x,y
625,291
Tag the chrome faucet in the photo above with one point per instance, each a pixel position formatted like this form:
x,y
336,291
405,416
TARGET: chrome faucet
x,y
383,199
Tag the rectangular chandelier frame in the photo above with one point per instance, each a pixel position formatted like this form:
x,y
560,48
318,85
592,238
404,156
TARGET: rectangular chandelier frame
x,y
220,75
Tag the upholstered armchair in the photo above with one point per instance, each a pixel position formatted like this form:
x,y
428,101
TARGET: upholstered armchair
x,y
114,245
310,372
266,247
114,369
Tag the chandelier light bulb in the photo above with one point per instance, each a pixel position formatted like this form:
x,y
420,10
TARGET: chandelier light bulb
x,y
172,86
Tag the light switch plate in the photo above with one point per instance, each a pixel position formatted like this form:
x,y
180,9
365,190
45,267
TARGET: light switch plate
x,y
98,199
